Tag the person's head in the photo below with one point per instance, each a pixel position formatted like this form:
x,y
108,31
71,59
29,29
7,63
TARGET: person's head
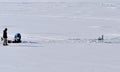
x,y
5,29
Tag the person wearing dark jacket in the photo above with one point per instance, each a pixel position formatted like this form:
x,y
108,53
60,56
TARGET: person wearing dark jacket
x,y
5,37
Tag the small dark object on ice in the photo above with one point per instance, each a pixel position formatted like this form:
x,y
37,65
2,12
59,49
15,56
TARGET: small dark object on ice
x,y
1,38
101,38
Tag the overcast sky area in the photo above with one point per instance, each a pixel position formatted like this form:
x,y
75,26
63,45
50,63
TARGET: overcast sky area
x,y
59,0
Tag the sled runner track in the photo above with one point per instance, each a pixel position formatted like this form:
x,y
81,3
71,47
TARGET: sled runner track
x,y
73,41
56,38
105,41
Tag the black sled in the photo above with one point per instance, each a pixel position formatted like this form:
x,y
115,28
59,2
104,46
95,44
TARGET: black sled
x,y
17,39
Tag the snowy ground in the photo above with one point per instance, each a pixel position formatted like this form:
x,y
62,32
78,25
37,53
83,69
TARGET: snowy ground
x,y
61,36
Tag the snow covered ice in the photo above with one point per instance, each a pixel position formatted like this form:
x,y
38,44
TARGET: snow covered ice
x,y
61,36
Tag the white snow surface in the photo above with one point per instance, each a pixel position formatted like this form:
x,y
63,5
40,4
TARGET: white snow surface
x,y
61,36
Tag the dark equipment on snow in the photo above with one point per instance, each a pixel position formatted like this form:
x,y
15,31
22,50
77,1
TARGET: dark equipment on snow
x,y
17,39
101,38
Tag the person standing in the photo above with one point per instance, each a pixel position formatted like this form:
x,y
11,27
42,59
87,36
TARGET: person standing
x,y
5,37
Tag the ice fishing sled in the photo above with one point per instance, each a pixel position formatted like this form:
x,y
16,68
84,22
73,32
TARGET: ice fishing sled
x,y
17,39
